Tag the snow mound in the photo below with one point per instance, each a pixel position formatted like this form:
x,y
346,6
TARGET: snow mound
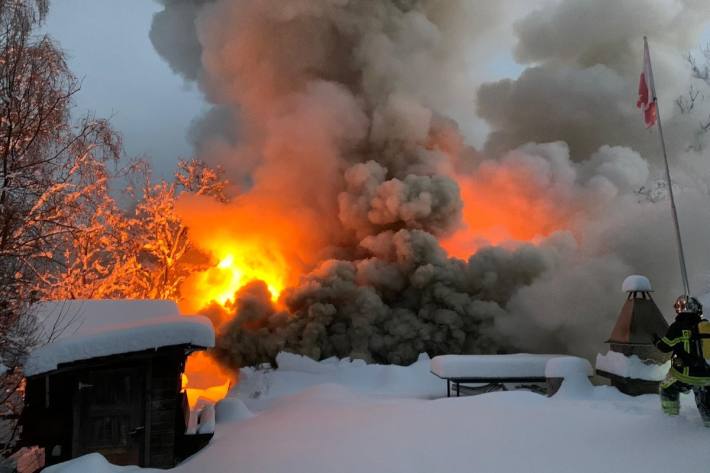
x,y
93,462
292,362
232,410
206,420
80,330
636,282
575,372
258,386
568,366
519,365
631,366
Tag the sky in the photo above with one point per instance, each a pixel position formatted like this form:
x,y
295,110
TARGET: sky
x,y
124,79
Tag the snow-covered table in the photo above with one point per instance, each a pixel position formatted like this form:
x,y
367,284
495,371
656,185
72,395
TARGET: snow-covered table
x,y
519,368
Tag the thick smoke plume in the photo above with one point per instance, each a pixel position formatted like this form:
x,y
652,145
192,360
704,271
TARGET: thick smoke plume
x,y
584,65
346,125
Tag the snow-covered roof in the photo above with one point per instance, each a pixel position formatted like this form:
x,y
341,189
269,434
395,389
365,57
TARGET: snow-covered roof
x,y
636,282
84,329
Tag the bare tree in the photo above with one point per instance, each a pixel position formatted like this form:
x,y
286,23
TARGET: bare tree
x,y
47,165
62,233
701,69
690,103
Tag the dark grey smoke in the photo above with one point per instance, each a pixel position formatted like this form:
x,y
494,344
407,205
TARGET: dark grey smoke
x,y
338,108
174,36
406,298
371,202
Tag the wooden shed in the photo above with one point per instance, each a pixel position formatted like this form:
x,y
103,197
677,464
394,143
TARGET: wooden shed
x,y
109,381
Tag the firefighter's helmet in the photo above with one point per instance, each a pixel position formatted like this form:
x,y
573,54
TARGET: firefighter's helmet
x,y
688,305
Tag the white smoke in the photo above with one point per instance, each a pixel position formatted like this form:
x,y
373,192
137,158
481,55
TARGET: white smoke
x,y
584,60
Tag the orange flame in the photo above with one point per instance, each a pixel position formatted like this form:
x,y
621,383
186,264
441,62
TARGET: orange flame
x,y
239,263
205,379
505,203
249,239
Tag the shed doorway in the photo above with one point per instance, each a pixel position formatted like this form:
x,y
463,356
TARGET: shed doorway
x,y
109,415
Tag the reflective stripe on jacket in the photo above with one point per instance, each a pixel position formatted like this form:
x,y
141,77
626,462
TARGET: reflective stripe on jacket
x,y
687,363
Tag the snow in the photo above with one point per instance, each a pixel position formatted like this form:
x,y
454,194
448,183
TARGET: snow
x,y
567,367
636,282
206,421
93,462
231,410
349,417
296,373
519,365
80,330
575,372
631,366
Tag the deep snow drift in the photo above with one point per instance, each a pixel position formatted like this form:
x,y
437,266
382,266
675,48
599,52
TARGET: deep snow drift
x,y
338,416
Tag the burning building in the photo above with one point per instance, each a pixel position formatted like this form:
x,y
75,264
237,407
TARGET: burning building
x,y
363,223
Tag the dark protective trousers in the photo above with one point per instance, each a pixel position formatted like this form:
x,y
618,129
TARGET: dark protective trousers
x,y
670,398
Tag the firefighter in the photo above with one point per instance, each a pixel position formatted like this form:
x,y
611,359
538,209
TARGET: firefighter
x,y
689,371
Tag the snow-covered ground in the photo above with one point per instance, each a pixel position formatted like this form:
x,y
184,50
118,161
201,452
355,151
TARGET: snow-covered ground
x,y
337,416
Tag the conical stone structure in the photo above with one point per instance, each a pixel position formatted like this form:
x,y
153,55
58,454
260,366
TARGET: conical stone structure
x,y
638,321
633,334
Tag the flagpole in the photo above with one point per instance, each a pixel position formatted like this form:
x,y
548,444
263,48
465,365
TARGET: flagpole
x,y
679,240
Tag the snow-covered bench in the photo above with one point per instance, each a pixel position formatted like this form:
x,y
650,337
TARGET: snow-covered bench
x,y
519,368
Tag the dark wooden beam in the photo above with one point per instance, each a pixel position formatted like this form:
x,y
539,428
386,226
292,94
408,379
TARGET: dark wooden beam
x,y
148,409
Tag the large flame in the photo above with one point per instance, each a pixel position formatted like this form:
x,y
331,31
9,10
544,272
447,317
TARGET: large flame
x,y
247,240
238,262
507,202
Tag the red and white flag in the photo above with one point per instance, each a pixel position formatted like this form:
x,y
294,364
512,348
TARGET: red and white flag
x,y
647,92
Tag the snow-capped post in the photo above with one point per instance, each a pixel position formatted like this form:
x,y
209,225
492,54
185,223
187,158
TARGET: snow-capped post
x,y
633,364
648,103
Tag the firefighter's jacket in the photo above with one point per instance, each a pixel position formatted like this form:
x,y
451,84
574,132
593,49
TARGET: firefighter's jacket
x,y
687,362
